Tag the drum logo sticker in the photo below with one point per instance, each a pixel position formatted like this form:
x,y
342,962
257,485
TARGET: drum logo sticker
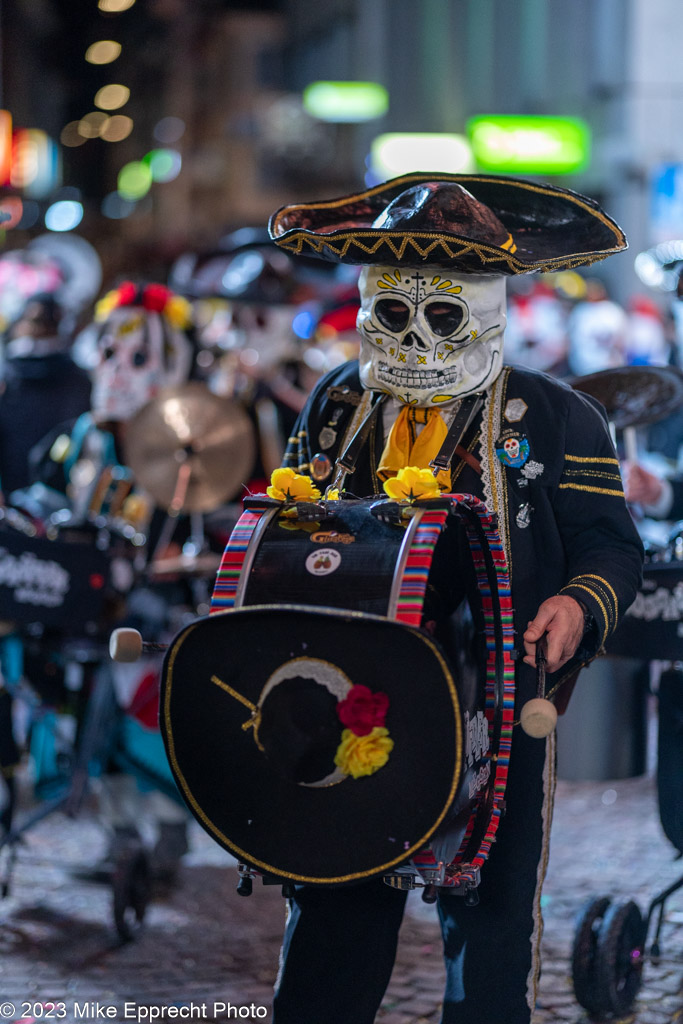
x,y
332,537
323,562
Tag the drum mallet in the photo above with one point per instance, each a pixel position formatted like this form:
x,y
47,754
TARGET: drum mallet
x,y
539,715
127,645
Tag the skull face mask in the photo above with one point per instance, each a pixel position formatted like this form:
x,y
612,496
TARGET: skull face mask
x,y
430,337
139,353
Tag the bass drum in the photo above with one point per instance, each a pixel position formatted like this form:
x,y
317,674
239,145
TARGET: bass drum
x,y
328,722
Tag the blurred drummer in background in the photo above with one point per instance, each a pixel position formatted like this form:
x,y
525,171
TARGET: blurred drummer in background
x,y
659,497
41,386
42,290
258,317
140,343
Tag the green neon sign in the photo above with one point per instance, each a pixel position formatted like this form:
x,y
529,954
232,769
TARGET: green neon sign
x,y
345,101
530,144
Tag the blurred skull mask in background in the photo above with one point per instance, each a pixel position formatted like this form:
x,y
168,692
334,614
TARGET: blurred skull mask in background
x,y
139,353
536,334
430,337
36,331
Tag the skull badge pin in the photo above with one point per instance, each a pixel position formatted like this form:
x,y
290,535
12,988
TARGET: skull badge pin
x,y
512,448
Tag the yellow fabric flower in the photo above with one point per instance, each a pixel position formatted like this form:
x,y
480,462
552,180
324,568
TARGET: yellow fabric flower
x,y
178,312
294,524
411,483
332,494
286,485
363,755
106,304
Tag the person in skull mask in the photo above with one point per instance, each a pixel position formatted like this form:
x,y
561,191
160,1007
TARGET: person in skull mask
x,y
436,250
142,344
40,386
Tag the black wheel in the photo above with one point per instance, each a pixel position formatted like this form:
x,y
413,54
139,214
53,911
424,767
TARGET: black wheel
x,y
619,959
584,952
130,891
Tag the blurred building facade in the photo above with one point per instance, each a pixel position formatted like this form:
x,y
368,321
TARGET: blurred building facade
x,y
233,74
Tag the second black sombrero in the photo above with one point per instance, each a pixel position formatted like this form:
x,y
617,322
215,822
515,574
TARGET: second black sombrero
x,y
470,223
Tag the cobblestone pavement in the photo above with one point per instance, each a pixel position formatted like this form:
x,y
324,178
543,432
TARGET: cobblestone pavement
x,y
202,945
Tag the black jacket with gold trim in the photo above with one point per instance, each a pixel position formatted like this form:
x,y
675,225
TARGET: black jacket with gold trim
x,y
561,509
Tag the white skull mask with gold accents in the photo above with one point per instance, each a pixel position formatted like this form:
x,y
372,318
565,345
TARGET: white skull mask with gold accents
x,y
139,353
430,337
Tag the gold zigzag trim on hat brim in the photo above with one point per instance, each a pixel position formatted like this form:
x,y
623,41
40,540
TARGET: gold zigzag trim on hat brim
x,y
428,244
368,240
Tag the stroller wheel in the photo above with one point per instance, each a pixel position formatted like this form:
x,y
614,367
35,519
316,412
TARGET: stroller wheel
x,y
584,953
130,891
619,960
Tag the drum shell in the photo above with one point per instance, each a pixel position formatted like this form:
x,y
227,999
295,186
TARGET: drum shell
x,y
366,554
368,560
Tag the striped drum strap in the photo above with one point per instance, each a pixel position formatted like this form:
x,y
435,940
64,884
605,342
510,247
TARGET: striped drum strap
x,y
230,569
413,586
411,599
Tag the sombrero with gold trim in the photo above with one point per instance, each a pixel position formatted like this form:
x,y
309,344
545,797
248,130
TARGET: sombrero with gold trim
x,y
304,751
470,223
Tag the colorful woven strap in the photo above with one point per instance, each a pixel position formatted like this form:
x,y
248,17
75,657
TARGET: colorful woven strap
x,y
230,569
487,522
411,595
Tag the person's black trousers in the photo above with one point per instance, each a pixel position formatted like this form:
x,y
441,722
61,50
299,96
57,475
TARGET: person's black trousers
x,y
340,944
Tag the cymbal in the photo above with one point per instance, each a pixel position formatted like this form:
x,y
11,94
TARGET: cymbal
x,y
634,396
190,449
185,565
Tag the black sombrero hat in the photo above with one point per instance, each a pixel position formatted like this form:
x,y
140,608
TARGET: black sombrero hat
x,y
249,716
471,223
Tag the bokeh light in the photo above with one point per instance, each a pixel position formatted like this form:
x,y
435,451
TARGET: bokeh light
x,y
64,215
103,52
164,164
115,207
71,136
397,153
12,206
115,6
91,126
529,144
134,180
660,266
111,97
168,130
118,127
345,102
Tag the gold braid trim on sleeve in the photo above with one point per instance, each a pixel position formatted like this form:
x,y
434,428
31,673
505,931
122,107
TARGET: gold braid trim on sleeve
x,y
589,590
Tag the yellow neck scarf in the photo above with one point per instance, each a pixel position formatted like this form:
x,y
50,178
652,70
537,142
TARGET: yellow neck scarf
x,y
405,447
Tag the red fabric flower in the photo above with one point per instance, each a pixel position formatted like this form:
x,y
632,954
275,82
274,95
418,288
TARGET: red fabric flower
x,y
362,710
126,293
155,297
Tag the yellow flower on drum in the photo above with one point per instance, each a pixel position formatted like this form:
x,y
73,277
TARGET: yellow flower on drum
x,y
332,494
286,485
363,755
411,483
285,523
